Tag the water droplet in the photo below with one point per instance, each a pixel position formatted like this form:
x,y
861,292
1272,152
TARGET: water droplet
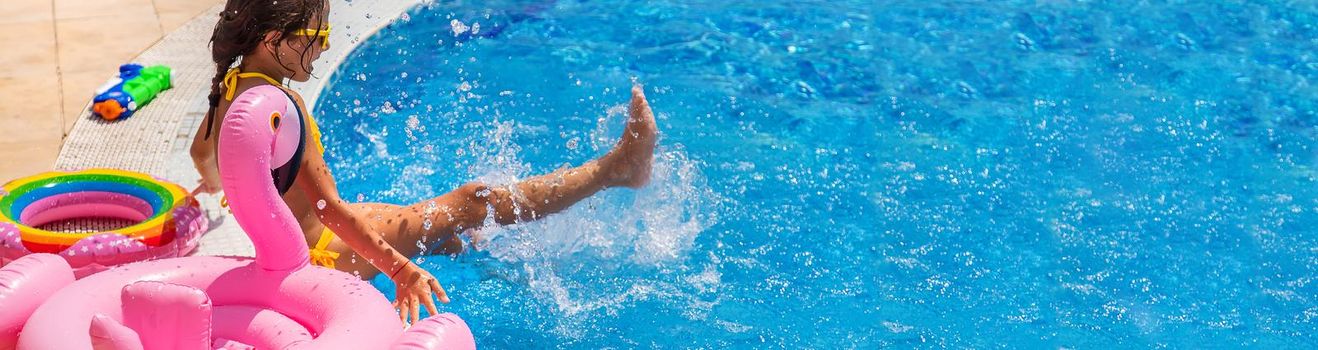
x,y
426,225
458,27
1024,42
320,204
1185,42
805,89
966,90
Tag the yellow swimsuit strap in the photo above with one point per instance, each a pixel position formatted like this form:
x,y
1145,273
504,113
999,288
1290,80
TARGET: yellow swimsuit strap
x,y
231,81
314,130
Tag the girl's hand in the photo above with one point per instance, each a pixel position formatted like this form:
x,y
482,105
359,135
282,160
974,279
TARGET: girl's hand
x,y
205,186
414,286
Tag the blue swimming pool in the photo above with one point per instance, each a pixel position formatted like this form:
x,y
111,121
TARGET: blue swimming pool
x,y
853,174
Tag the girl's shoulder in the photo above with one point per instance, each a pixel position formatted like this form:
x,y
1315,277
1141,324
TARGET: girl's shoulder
x,y
291,93
297,98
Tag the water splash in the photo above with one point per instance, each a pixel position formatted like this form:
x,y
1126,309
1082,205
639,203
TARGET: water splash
x,y
651,229
981,156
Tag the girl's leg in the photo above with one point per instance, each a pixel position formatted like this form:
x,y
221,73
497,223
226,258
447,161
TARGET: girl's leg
x,y
626,165
434,222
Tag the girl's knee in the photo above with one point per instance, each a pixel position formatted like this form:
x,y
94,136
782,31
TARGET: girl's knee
x,y
475,197
482,198
475,192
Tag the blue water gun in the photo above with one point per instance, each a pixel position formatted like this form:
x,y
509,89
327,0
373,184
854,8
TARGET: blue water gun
x,y
135,87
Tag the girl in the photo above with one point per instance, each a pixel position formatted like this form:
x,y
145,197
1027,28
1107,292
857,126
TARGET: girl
x,y
262,42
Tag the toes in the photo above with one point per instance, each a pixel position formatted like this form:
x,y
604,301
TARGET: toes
x,y
640,119
639,104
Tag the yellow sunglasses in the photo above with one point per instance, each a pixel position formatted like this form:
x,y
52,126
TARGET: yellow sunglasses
x,y
322,33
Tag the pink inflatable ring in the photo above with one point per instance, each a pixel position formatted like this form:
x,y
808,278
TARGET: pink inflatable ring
x,y
275,301
168,221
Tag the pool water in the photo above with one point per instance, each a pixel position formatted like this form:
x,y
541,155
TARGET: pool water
x,y
853,174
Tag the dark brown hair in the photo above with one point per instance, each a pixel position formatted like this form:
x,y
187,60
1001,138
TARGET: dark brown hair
x,y
241,29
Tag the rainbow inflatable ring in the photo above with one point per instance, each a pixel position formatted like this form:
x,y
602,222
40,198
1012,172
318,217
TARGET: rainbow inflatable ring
x,y
169,221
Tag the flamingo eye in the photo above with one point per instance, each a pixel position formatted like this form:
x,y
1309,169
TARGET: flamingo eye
x,y
274,121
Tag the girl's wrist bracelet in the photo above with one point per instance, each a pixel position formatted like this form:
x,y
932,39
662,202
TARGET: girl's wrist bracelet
x,y
400,269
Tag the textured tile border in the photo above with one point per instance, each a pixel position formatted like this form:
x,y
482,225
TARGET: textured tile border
x,y
156,139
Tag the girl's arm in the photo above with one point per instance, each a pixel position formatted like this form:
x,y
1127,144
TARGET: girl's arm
x,y
315,180
203,157
416,287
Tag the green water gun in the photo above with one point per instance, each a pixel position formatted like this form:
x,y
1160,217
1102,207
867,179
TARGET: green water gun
x,y
135,87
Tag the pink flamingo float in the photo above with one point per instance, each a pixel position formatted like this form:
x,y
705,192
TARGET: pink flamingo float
x,y
275,301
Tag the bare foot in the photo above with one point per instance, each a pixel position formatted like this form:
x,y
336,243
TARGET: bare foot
x,y
628,164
